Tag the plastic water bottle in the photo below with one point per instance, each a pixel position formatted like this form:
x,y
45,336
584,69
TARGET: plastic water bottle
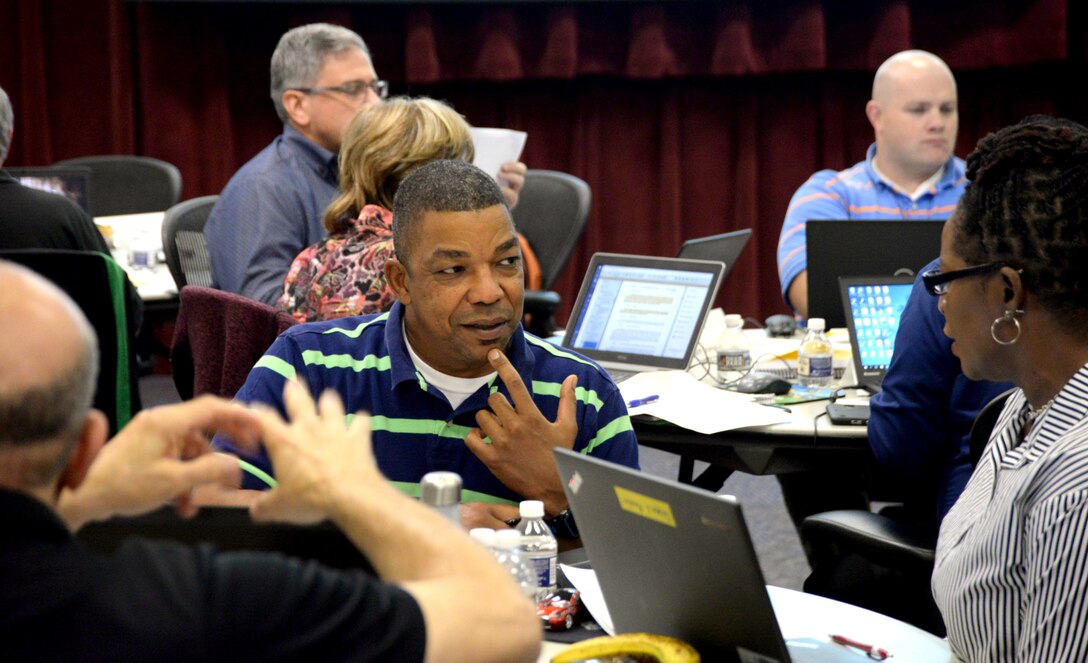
x,y
814,357
538,546
442,492
485,536
507,553
733,351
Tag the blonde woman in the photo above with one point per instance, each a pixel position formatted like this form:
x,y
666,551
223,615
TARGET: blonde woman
x,y
343,275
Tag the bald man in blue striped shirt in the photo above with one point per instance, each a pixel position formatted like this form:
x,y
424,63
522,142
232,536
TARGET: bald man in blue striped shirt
x,y
451,379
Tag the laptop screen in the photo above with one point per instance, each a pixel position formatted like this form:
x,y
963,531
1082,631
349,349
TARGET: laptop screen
x,y
642,310
859,248
873,307
72,183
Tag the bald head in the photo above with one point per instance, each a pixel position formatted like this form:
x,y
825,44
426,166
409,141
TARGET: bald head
x,y
903,68
915,117
48,371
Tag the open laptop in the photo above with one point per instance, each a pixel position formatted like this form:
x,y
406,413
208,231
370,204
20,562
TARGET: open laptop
x,y
642,313
872,306
857,248
71,182
672,559
725,247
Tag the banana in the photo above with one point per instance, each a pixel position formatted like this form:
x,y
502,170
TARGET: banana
x,y
642,647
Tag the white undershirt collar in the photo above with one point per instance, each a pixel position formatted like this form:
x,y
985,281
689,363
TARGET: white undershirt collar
x,y
455,389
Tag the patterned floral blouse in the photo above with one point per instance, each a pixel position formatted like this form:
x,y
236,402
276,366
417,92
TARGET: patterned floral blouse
x,y
344,274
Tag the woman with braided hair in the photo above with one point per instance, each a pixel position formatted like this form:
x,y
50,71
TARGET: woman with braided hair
x,y
1011,578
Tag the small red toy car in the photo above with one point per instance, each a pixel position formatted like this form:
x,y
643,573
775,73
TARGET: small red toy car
x,y
559,610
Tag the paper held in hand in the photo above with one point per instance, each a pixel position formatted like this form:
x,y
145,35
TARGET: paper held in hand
x,y
494,147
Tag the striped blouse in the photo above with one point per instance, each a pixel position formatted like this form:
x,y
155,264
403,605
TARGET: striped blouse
x,y
1011,578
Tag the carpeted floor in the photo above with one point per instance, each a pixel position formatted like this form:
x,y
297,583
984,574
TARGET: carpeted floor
x,y
776,541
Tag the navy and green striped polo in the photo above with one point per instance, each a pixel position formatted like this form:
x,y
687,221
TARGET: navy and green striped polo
x,y
415,430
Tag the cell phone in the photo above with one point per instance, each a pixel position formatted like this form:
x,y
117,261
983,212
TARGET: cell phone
x,y
848,415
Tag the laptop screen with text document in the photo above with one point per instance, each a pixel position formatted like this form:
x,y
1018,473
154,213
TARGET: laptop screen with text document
x,y
642,313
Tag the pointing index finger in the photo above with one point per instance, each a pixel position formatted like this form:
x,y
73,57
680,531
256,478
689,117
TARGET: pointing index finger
x,y
509,375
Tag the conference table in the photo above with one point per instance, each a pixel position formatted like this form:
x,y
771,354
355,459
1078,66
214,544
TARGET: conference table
x,y
808,441
807,621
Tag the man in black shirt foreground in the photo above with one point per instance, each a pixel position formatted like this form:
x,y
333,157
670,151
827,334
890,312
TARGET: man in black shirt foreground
x,y
440,597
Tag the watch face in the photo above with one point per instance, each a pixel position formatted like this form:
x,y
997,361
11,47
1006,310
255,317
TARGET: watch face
x,y
564,526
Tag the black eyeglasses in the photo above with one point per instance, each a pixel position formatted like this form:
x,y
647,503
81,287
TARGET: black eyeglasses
x,y
936,281
352,89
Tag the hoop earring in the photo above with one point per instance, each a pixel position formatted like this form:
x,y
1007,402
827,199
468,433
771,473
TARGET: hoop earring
x,y
1010,316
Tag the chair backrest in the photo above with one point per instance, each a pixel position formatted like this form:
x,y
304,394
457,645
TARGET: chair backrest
x,y
217,339
184,244
551,212
97,284
123,184
984,424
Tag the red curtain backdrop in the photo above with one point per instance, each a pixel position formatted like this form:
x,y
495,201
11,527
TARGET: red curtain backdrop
x,y
686,118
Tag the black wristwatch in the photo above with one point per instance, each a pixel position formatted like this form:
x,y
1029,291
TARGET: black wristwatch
x,y
563,525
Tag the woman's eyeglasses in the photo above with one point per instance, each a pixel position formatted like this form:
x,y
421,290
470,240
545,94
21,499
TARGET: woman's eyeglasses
x,y
936,281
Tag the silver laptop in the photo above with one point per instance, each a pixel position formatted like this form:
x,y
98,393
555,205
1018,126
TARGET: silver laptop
x,y
672,559
872,306
641,313
725,247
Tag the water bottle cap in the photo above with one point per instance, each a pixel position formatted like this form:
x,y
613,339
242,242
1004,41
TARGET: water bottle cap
x,y
734,320
816,324
440,488
531,509
485,536
507,539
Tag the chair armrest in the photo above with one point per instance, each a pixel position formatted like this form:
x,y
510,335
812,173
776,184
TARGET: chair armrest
x,y
541,306
875,537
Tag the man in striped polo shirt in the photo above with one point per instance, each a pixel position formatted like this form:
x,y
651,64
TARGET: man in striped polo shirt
x,y
908,173
451,379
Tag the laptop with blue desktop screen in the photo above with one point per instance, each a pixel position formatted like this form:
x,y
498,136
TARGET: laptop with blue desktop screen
x,y
71,182
872,306
640,313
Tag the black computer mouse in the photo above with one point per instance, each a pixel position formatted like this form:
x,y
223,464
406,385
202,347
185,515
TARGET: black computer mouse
x,y
761,383
780,326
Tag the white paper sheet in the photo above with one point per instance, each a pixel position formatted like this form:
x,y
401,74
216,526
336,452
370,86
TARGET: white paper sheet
x,y
688,403
589,590
494,147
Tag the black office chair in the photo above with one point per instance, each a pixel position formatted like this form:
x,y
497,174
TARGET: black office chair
x,y
885,542
123,184
552,211
184,244
97,284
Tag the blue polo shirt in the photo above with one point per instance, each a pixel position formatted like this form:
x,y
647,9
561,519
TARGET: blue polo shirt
x,y
859,193
415,430
270,210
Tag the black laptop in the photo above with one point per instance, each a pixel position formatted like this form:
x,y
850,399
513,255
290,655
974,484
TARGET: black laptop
x,y
859,248
724,247
873,306
71,182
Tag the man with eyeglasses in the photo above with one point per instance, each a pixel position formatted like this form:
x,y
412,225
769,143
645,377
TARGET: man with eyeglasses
x,y
321,76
